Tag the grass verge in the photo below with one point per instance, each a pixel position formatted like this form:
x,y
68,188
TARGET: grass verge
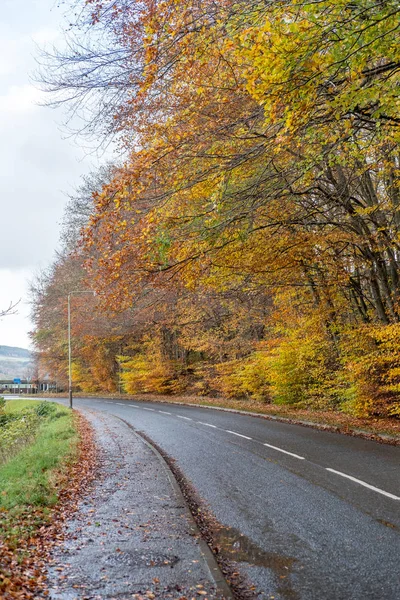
x,y
32,481
28,478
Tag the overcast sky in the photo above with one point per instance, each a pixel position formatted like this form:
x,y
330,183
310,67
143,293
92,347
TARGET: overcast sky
x,y
37,164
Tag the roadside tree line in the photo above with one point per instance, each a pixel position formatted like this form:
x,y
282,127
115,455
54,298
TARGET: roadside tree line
x,y
248,243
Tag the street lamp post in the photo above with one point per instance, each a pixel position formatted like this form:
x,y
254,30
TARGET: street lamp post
x,y
69,340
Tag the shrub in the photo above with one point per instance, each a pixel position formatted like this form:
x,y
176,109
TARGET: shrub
x,y
245,378
16,432
305,370
372,362
45,409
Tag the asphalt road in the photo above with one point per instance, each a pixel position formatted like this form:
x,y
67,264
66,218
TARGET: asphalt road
x,y
308,514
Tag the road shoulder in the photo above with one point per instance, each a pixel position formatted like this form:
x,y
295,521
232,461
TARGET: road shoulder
x,y
134,536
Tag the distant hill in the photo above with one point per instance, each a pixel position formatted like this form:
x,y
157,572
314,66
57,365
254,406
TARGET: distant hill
x,y
12,352
15,362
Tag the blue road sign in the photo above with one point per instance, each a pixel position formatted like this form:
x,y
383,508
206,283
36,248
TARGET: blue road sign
x,y
17,380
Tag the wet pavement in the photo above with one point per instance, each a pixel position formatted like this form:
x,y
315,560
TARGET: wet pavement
x,y
306,514
133,536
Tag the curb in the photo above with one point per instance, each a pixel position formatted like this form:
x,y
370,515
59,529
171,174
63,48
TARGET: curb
x,y
222,587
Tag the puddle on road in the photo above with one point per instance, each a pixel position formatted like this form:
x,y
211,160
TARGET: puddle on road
x,y
239,548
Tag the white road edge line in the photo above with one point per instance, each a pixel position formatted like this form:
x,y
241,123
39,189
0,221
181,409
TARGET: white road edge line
x,y
164,412
246,437
186,418
367,485
284,451
208,424
152,409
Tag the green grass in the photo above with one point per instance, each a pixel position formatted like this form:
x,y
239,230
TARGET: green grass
x,y
17,405
28,479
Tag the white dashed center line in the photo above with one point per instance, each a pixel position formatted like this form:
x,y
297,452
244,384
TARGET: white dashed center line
x,y
284,451
246,437
238,434
367,485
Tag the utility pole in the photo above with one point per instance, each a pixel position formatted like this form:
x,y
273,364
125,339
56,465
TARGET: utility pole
x,y
69,353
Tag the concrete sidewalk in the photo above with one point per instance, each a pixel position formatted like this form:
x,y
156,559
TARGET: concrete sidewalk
x,y
133,536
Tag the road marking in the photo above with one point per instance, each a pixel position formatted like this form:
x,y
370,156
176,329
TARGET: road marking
x,y
284,451
238,434
151,409
120,404
367,485
186,418
164,412
133,405
208,424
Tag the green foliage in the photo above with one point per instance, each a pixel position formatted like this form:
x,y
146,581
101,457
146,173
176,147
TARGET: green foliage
x,y
28,477
45,409
20,423
16,432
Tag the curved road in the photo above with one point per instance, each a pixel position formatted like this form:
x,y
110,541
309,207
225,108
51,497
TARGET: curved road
x,y
308,514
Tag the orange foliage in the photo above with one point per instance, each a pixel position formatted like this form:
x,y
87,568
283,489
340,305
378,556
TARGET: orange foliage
x,y
251,239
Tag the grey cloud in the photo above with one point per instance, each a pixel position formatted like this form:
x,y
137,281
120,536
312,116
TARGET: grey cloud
x,y
36,165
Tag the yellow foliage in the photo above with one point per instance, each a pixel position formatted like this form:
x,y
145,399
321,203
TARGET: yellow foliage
x,y
247,377
82,378
372,361
301,371
149,371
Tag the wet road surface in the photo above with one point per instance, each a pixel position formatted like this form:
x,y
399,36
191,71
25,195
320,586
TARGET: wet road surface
x,y
307,514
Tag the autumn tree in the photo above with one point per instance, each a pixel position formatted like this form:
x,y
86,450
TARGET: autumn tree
x,y
262,163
